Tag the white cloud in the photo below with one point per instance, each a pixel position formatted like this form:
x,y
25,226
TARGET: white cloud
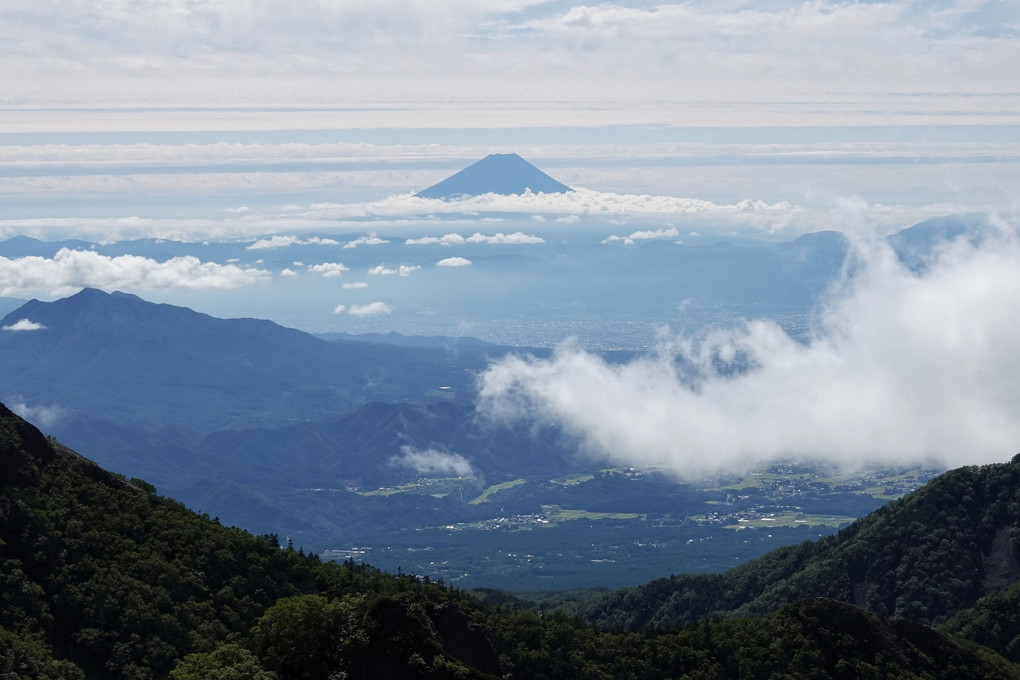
x,y
948,177
743,63
901,367
645,235
370,309
274,242
514,239
671,232
329,270
24,325
340,309
454,262
42,417
433,462
287,241
354,285
371,240
71,270
579,203
289,273
402,270
446,240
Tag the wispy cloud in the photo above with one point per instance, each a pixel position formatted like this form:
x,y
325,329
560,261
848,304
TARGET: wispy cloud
x,y
41,416
900,367
370,309
70,270
433,462
370,240
287,241
24,325
354,285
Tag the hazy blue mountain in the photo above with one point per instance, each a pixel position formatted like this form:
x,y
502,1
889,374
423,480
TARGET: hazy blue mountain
x,y
25,246
146,364
261,477
497,173
916,244
359,449
354,450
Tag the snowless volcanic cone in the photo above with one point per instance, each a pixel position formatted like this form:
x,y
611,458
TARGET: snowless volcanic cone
x,y
498,173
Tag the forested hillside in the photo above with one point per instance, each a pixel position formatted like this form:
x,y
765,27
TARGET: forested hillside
x,y
102,578
923,557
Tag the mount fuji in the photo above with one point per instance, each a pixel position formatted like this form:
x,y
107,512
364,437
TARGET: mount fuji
x,y
495,174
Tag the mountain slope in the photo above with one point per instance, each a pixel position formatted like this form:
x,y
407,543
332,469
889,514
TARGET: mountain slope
x,y
101,578
923,557
993,622
497,173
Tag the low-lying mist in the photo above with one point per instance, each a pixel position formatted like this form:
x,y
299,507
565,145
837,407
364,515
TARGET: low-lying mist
x,y
901,367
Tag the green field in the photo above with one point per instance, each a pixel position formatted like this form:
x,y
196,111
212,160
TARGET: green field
x,y
790,519
487,494
554,514
437,488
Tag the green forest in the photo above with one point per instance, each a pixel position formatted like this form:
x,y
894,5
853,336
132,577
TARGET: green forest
x,y
101,577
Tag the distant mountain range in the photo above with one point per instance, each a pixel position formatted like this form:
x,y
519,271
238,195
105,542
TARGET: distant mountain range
x,y
233,415
329,440
497,173
149,364
332,443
